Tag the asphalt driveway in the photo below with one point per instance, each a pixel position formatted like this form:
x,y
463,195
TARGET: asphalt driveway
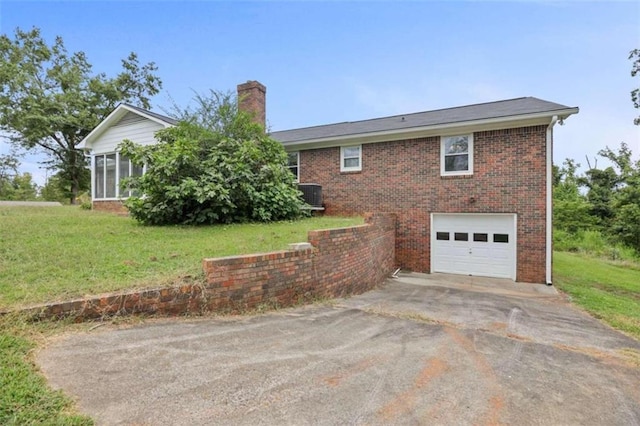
x,y
422,350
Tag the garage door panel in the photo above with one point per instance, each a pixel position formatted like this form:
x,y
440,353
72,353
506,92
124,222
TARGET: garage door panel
x,y
482,253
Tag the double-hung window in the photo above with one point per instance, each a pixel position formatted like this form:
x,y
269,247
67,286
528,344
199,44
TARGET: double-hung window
x,y
351,158
456,155
293,162
109,171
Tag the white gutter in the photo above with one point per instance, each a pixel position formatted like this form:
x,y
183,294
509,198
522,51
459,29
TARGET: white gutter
x,y
549,225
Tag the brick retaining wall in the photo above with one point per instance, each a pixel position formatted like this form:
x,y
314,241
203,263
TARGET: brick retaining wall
x,y
335,263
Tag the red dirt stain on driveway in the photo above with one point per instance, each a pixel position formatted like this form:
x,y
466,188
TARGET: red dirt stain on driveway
x,y
406,401
496,401
335,379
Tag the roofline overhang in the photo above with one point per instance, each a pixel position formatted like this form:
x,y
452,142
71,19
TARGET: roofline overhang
x,y
85,144
497,123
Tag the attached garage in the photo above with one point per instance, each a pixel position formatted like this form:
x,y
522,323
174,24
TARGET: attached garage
x,y
474,244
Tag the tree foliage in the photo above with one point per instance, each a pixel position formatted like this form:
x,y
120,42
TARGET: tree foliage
x,y
50,99
571,210
601,186
215,166
55,189
626,200
606,199
15,186
635,71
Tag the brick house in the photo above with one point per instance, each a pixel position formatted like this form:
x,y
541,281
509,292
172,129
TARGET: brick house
x,y
471,185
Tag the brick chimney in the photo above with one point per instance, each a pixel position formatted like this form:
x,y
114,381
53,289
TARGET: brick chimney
x,y
252,98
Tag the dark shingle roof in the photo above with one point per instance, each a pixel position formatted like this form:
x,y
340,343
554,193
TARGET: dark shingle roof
x,y
469,113
161,117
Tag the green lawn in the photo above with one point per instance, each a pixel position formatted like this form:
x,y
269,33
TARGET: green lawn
x,y
25,397
607,290
57,253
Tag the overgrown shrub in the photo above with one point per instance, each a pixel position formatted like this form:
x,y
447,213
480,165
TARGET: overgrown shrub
x,y
198,176
594,243
84,200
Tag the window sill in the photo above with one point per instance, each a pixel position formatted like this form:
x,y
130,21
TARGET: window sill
x,y
465,176
350,172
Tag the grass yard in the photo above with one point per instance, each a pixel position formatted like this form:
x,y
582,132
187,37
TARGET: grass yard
x,y
58,253
607,290
25,397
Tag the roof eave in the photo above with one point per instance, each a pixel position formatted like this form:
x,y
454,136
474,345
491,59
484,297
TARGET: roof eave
x,y
496,123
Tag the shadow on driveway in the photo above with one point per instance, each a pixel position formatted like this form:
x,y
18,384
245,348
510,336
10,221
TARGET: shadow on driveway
x,y
425,349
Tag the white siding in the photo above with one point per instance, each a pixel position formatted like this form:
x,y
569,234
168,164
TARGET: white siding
x,y
130,118
140,132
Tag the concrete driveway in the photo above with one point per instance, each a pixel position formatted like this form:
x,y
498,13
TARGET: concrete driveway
x,y
422,350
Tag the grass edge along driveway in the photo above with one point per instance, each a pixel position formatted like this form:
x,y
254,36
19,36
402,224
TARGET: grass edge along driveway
x,y
608,291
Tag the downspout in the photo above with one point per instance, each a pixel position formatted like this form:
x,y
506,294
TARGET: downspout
x,y
549,225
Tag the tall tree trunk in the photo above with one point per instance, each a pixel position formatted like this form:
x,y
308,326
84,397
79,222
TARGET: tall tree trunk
x,y
75,187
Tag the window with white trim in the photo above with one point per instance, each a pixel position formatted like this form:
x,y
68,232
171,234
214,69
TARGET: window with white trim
x,y
351,158
456,155
109,171
293,162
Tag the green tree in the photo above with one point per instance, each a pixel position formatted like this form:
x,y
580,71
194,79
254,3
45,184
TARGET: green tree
x,y
23,188
51,99
601,185
55,189
14,185
8,169
625,222
571,211
635,71
215,166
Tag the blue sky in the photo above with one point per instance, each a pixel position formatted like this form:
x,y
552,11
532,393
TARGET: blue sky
x,y
326,62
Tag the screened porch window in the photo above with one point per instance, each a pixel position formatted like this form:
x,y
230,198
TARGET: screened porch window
x,y
110,174
110,170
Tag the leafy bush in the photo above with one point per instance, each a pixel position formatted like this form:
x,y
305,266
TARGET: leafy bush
x,y
572,215
199,176
84,200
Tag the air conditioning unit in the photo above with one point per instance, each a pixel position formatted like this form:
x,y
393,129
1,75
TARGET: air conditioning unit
x,y
311,194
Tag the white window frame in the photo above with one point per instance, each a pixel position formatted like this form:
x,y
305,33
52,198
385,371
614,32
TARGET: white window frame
x,y
357,168
118,196
297,164
469,154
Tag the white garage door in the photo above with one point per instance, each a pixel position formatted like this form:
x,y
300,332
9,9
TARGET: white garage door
x,y
474,244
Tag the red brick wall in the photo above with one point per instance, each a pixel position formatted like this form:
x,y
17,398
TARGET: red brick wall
x,y
252,99
110,206
404,177
339,262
